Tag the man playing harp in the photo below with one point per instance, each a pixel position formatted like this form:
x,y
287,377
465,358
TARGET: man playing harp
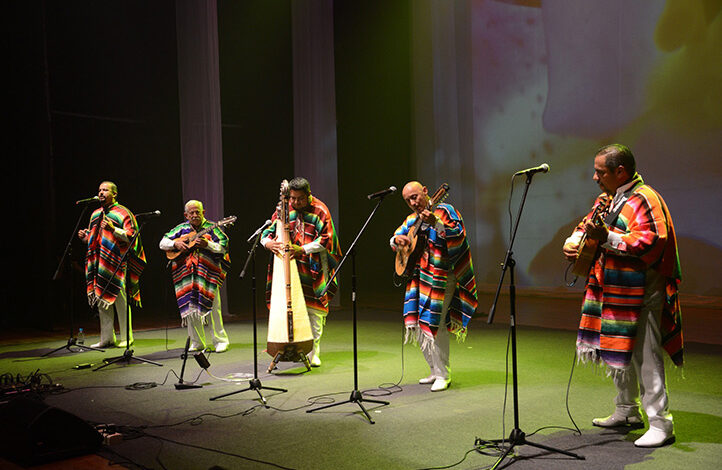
x,y
315,247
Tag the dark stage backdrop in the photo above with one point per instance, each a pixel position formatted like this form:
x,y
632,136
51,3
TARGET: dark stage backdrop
x,y
372,42
465,92
106,76
254,40
108,73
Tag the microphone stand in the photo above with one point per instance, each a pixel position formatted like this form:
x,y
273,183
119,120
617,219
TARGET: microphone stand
x,y
356,396
517,436
255,383
68,255
182,385
128,353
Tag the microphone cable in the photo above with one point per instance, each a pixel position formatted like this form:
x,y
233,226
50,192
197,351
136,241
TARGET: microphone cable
x,y
389,388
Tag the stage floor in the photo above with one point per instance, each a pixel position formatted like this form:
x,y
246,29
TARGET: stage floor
x,y
182,429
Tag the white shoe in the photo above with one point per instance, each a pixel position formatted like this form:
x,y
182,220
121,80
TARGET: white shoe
x,y
101,345
427,380
617,419
195,347
316,361
655,438
440,384
221,347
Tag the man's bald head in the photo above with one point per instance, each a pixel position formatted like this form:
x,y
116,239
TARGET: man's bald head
x,y
411,186
416,196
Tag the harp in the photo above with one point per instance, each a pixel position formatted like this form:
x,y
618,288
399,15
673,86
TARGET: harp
x,y
289,329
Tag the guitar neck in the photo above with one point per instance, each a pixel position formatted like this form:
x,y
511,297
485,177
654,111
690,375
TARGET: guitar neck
x,y
204,231
430,208
417,223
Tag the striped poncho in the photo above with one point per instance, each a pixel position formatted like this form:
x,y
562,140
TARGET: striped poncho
x,y
198,275
615,289
447,252
104,254
313,224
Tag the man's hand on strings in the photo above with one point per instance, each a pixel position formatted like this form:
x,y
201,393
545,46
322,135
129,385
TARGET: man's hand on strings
x,y
296,251
428,217
180,245
402,240
595,231
276,247
570,250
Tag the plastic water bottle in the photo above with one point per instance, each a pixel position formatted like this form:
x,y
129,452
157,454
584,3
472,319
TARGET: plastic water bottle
x,y
81,336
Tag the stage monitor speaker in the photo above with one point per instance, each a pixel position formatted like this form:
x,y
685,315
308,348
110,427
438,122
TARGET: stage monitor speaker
x,y
35,433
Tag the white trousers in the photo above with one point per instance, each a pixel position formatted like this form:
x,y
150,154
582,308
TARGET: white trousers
x,y
107,319
212,332
436,352
317,319
646,376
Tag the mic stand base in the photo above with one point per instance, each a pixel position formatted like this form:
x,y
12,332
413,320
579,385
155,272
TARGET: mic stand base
x,y
128,353
185,386
126,357
518,438
356,397
255,385
72,341
182,385
68,255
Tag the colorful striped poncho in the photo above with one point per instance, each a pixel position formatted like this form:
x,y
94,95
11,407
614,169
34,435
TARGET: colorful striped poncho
x,y
615,288
447,251
315,269
104,254
198,275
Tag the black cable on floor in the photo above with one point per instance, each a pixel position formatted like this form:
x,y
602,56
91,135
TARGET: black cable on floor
x,y
217,451
389,388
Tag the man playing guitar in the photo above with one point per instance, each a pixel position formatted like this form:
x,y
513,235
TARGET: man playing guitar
x,y
440,289
631,313
199,265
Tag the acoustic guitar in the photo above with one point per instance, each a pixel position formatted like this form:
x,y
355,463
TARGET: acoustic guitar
x,y
191,238
407,256
588,248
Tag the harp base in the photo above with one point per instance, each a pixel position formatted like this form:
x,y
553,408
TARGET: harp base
x,y
289,352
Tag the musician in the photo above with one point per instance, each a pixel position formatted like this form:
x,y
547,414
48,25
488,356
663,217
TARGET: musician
x,y
631,309
441,293
315,247
108,236
198,274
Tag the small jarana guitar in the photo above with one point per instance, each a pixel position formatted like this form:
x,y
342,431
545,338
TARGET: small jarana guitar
x,y
407,256
587,251
192,237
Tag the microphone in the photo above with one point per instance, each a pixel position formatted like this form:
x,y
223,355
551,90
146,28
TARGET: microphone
x,y
88,200
148,214
543,168
382,193
260,229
